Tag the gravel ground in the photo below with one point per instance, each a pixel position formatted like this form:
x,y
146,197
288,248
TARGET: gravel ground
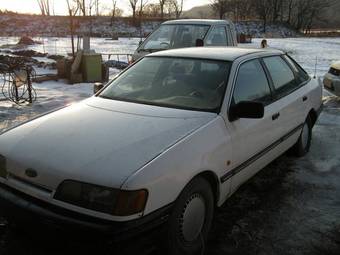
x,y
291,207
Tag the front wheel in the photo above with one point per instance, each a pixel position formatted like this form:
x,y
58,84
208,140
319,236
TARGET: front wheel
x,y
190,221
302,146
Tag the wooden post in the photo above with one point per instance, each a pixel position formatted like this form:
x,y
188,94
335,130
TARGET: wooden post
x,y
29,85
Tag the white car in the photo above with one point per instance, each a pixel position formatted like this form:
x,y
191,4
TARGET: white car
x,y
175,34
332,79
165,142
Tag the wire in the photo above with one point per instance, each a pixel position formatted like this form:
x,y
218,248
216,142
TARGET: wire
x,y
9,89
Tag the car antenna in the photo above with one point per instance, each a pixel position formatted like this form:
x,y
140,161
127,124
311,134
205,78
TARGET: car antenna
x,y
316,65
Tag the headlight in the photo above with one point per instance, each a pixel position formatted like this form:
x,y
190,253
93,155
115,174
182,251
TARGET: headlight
x,y
3,171
107,200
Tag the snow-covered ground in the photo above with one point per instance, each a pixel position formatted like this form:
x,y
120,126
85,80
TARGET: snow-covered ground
x,y
307,51
62,45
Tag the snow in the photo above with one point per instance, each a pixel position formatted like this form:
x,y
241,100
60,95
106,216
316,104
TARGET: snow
x,y
51,95
308,51
62,45
55,94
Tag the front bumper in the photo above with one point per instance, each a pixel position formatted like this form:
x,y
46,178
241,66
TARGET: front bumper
x,y
24,209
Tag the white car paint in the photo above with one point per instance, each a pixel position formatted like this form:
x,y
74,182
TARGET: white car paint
x,y
134,146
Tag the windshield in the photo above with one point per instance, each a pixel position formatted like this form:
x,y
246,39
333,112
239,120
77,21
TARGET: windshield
x,y
175,36
192,84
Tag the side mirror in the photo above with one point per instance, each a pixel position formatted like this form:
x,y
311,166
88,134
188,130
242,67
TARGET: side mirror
x,y
97,86
246,110
199,43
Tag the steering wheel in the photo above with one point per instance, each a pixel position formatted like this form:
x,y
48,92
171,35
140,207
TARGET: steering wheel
x,y
165,45
166,81
196,93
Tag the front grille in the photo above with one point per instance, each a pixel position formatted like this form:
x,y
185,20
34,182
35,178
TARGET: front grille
x,y
334,71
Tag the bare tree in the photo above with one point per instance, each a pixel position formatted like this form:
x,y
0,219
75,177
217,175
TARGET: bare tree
x,y
161,5
44,6
115,11
72,7
86,6
168,8
97,4
133,5
143,3
152,10
220,7
289,8
82,6
263,8
177,7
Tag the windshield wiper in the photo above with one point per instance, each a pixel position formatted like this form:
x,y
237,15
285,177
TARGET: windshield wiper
x,y
151,50
145,50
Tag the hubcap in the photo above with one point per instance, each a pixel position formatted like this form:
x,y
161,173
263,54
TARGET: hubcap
x,y
193,217
305,135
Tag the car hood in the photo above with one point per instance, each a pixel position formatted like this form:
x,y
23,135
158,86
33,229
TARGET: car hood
x,y
96,141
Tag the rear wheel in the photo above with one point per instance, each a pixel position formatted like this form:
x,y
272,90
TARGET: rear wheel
x,y
190,221
302,146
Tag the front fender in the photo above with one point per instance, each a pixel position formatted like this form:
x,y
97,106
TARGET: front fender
x,y
208,148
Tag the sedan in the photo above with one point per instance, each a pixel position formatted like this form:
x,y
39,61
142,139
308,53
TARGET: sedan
x,y
162,145
332,79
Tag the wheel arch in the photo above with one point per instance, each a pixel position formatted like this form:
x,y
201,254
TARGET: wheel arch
x,y
213,180
313,116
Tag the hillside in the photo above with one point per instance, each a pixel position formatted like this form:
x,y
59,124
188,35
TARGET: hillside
x,y
200,12
330,19
35,25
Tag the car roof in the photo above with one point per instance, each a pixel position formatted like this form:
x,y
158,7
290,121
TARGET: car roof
x,y
198,22
215,53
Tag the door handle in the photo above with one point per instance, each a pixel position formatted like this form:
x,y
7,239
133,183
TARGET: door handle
x,y
276,116
304,98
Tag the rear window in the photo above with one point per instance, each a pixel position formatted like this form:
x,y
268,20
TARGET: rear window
x,y
301,74
280,72
334,71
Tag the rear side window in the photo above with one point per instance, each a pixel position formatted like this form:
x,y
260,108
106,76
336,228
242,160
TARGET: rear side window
x,y
282,76
251,83
301,74
217,37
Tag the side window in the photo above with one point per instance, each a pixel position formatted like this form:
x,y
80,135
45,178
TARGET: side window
x,y
217,37
282,75
252,83
301,74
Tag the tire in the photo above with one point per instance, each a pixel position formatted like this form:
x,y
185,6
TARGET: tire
x,y
302,146
190,220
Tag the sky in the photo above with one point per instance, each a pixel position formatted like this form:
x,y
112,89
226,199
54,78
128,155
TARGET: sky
x,y
31,6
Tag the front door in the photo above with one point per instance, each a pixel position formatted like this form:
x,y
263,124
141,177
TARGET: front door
x,y
251,138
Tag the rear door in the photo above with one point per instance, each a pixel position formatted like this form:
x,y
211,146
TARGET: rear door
x,y
290,94
251,138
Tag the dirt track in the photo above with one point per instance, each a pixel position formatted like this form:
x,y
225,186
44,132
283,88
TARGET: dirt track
x,y
291,207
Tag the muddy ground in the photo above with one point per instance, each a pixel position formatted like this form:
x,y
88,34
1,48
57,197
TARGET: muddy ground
x,y
291,207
